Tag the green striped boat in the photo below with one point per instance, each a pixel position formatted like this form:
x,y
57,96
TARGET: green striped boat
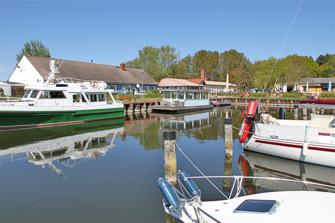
x,y
60,104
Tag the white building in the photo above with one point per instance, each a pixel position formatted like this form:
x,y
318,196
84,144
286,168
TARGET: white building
x,y
32,70
5,89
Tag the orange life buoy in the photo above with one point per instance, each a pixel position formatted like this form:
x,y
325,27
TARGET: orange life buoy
x,y
245,133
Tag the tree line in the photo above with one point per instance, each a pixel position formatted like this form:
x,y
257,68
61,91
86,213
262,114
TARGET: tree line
x,y
164,61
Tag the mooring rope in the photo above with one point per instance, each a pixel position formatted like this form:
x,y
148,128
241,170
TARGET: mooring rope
x,y
197,168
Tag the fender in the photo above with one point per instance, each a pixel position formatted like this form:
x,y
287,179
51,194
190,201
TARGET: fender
x,y
245,133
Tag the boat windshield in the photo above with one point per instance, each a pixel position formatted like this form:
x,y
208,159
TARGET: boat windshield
x,y
332,124
26,93
34,94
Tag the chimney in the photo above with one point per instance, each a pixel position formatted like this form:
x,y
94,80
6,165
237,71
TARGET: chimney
x,y
123,67
203,75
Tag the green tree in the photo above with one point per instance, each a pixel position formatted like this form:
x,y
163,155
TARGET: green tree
x,y
298,67
33,48
327,65
155,61
209,61
238,66
262,70
184,68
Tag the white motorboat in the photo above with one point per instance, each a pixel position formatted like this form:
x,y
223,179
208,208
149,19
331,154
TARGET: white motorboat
x,y
311,141
184,203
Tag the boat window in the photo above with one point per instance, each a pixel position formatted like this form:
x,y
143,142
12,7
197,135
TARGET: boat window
x,y
34,94
189,95
76,98
26,93
56,94
251,205
332,124
93,97
174,95
102,97
196,95
44,94
83,99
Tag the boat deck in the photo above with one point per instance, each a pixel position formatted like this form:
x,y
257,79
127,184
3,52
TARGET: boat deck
x,y
170,109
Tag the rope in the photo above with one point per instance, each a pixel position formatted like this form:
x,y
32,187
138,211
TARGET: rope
x,y
188,159
283,44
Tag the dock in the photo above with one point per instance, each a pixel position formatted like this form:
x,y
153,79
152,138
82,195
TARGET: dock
x,y
181,109
139,106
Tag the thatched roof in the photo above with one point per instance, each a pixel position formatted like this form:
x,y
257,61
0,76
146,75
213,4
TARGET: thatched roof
x,y
92,71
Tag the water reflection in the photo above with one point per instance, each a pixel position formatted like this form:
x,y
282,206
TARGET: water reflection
x,y
124,177
260,165
67,151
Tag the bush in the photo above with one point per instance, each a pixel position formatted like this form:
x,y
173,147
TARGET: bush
x,y
153,94
327,94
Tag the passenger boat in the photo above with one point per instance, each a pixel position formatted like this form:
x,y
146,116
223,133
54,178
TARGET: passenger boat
x,y
62,103
311,141
177,100
184,202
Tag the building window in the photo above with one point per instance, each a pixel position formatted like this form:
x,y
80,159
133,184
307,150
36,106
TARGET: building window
x,y
180,95
174,95
196,95
189,95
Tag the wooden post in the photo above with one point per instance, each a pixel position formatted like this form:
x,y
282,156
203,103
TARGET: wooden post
x,y
228,130
170,159
296,112
304,113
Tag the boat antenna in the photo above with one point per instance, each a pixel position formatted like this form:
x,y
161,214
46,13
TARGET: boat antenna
x,y
280,51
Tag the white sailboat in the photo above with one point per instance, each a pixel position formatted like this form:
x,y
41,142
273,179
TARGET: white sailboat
x,y
311,141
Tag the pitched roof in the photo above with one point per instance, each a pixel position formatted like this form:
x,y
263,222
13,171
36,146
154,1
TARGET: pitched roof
x,y
318,80
219,83
92,71
175,82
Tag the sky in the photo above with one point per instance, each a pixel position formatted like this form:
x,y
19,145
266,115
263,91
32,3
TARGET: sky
x,y
112,31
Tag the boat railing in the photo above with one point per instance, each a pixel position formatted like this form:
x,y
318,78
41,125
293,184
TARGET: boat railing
x,y
10,99
238,183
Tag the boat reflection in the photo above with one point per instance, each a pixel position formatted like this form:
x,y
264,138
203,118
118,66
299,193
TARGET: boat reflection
x,y
68,151
183,122
260,165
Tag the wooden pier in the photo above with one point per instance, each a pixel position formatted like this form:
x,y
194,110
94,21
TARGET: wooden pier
x,y
139,106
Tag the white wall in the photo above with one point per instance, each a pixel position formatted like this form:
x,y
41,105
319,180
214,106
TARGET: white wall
x,y
25,73
7,89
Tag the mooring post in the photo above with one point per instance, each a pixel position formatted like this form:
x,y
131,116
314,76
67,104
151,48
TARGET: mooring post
x,y
296,112
228,131
170,159
282,114
304,113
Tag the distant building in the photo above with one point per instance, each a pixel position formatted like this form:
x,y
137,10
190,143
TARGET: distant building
x,y
316,85
33,70
308,86
212,86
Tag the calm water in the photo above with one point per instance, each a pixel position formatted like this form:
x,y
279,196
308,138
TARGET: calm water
x,y
107,172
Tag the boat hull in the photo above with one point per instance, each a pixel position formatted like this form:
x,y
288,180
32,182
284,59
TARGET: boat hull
x,y
316,153
10,120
